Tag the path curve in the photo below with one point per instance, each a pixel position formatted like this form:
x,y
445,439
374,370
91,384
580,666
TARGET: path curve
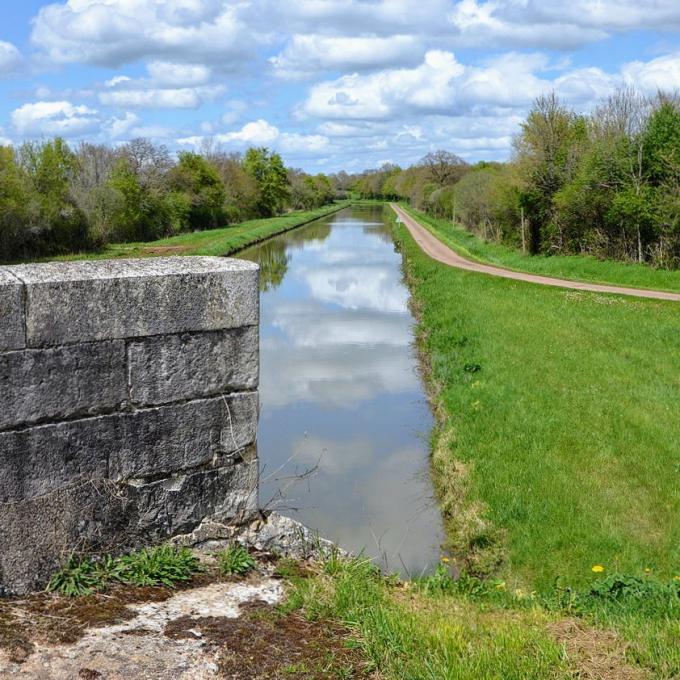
x,y
437,250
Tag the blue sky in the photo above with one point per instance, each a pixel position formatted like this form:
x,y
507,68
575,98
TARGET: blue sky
x,y
331,84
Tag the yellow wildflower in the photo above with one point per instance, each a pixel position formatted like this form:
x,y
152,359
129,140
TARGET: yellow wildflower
x,y
597,568
647,570
445,559
676,578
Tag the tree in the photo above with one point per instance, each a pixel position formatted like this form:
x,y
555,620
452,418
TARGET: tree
x,y
58,225
661,144
142,212
444,167
202,190
14,206
269,173
547,150
241,190
91,191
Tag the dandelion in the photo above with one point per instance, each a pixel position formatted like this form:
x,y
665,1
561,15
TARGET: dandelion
x,y
597,568
676,578
648,570
445,559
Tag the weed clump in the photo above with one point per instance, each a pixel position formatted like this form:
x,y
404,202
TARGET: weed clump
x,y
235,560
162,565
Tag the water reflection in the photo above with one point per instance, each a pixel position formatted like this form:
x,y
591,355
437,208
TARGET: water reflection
x,y
339,389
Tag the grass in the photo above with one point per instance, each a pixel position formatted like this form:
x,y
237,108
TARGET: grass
x,y
408,634
162,565
573,267
470,629
561,450
217,242
235,560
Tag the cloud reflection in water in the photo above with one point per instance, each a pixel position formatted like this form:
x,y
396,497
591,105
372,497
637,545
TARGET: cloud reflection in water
x,y
339,386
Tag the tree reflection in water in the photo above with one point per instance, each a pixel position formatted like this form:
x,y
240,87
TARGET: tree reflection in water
x,y
273,256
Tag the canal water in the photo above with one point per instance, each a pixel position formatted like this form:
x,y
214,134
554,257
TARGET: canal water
x,y
344,425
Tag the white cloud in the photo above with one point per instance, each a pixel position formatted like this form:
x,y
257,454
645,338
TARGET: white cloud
x,y
480,23
441,84
55,118
662,73
10,58
151,97
262,133
115,32
510,24
259,132
306,55
117,80
179,75
121,127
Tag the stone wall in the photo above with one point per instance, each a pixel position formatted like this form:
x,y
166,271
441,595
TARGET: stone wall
x,y
128,406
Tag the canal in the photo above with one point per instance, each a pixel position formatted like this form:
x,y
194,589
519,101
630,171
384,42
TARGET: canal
x,y
344,426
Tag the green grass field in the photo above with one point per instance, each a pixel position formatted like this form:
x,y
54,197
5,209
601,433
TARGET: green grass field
x,y
558,446
574,267
218,242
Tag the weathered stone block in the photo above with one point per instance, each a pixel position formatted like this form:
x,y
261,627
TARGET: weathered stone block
x,y
80,301
101,517
12,322
61,382
146,444
173,367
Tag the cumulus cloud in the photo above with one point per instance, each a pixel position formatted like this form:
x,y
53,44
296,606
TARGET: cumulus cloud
x,y
10,58
262,133
662,73
121,127
169,86
441,84
179,75
480,23
306,55
151,97
55,118
115,32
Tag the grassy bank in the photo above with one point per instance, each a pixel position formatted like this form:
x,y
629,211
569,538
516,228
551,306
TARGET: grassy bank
x,y
573,267
438,628
218,242
559,438
339,618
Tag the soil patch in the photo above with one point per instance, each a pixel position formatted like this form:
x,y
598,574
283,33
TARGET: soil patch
x,y
53,619
264,644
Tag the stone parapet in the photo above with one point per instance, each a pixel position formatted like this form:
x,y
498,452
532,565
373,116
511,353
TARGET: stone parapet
x,y
128,406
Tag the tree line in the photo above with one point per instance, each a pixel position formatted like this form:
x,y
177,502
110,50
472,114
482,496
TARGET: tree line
x,y
606,183
56,199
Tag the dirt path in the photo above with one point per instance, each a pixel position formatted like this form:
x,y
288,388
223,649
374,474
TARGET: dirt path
x,y
433,247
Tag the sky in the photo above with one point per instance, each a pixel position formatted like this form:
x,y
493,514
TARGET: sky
x,y
330,84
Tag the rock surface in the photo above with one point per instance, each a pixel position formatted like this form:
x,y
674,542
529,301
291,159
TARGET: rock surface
x,y
138,649
269,532
94,300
